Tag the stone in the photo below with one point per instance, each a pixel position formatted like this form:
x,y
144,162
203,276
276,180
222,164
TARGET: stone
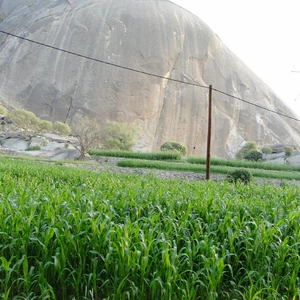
x,y
278,161
152,36
280,147
15,144
294,160
69,154
38,141
273,156
295,153
53,146
60,139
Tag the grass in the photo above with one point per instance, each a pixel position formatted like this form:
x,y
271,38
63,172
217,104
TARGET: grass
x,y
138,155
243,164
202,168
75,234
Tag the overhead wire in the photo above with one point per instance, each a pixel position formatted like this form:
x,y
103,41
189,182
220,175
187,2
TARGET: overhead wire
x,y
256,105
104,62
147,73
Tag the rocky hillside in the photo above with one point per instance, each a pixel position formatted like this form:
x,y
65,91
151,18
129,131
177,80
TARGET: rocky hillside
x,y
152,36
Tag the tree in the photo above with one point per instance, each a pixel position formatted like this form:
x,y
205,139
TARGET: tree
x,y
88,133
174,147
118,136
246,149
24,119
61,128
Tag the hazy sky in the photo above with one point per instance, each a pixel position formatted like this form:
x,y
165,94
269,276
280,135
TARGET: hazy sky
x,y
264,34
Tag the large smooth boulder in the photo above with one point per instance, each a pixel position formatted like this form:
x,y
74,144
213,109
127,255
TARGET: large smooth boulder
x,y
294,160
15,144
157,37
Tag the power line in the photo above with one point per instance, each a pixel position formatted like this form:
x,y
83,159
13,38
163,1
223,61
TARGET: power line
x,y
256,105
104,62
147,73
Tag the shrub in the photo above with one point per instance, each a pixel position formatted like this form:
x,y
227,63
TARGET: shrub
x,y
33,148
174,147
240,175
24,119
45,126
246,149
118,136
288,150
267,150
254,156
3,110
61,128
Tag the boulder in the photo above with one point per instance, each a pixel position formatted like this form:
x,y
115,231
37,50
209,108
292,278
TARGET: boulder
x,y
294,160
273,156
278,161
38,141
54,146
157,37
280,147
69,154
60,139
295,153
15,144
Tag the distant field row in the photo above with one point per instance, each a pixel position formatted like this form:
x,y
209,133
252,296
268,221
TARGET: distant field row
x,y
68,233
197,160
215,169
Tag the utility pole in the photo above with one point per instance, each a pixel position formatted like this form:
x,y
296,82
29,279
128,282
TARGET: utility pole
x,y
209,133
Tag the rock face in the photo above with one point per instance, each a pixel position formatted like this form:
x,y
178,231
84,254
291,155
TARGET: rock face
x,y
152,36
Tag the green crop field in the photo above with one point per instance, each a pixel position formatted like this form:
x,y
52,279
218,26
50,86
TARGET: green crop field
x,y
68,233
138,155
200,168
243,164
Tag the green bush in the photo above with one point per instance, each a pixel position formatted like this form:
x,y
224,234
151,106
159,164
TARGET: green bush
x,y
45,126
240,175
174,147
61,128
33,148
118,136
3,110
254,156
24,119
288,150
267,150
246,149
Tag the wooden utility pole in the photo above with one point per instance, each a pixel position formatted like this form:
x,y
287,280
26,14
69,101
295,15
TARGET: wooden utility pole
x,y
209,134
